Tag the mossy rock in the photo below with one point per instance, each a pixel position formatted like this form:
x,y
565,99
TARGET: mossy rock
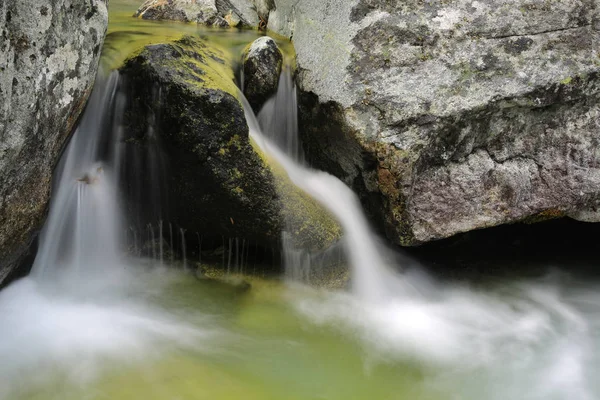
x,y
311,226
218,185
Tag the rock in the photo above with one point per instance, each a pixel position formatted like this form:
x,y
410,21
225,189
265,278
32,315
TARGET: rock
x,y
200,11
220,13
219,185
263,8
243,9
450,117
262,68
49,53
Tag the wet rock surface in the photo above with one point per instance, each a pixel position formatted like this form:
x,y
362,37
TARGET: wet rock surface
x,y
219,186
49,53
262,67
452,117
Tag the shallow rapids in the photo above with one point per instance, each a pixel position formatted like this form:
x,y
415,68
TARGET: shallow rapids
x,y
146,333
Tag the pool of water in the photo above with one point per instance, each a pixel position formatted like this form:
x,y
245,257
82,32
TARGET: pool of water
x,y
144,333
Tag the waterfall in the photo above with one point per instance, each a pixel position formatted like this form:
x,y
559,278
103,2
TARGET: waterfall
x,y
278,118
370,274
101,173
84,224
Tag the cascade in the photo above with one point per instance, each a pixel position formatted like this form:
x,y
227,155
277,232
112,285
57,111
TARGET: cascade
x,y
277,122
83,227
280,139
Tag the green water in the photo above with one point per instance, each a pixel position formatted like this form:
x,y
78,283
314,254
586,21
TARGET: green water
x,y
145,333
127,35
257,346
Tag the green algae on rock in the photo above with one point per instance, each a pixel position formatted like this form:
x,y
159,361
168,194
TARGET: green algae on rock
x,y
219,185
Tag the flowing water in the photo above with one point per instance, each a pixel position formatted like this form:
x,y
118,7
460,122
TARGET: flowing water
x,y
92,321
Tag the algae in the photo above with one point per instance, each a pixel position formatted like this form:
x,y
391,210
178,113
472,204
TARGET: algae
x,y
312,226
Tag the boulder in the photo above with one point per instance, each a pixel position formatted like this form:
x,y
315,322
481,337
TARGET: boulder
x,y
221,13
262,68
49,53
452,116
218,185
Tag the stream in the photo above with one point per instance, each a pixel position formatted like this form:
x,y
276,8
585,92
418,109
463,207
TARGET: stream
x,y
93,322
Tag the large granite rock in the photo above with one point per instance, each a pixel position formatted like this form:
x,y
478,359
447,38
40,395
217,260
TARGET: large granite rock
x,y
49,54
218,184
452,116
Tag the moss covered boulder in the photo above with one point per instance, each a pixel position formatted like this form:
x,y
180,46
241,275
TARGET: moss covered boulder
x,y
218,185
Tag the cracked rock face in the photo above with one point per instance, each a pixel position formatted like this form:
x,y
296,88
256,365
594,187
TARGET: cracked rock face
x,y
49,53
452,116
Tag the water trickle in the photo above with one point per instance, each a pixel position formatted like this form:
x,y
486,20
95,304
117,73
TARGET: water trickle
x,y
83,223
182,231
152,241
278,119
171,241
160,243
200,237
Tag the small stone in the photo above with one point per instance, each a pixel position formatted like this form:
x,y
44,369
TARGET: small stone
x,y
262,66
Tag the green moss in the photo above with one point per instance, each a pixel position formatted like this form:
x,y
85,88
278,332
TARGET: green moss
x,y
312,226
566,81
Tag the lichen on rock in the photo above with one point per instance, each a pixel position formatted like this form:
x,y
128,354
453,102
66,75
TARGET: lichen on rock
x,y
451,116
262,63
49,54
220,13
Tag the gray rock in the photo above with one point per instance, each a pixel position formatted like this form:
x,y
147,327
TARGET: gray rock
x,y
200,11
219,185
245,9
263,8
449,117
221,13
49,53
262,67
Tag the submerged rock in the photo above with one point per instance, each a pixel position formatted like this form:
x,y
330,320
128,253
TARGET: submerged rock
x,y
218,184
49,53
451,117
221,13
262,68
